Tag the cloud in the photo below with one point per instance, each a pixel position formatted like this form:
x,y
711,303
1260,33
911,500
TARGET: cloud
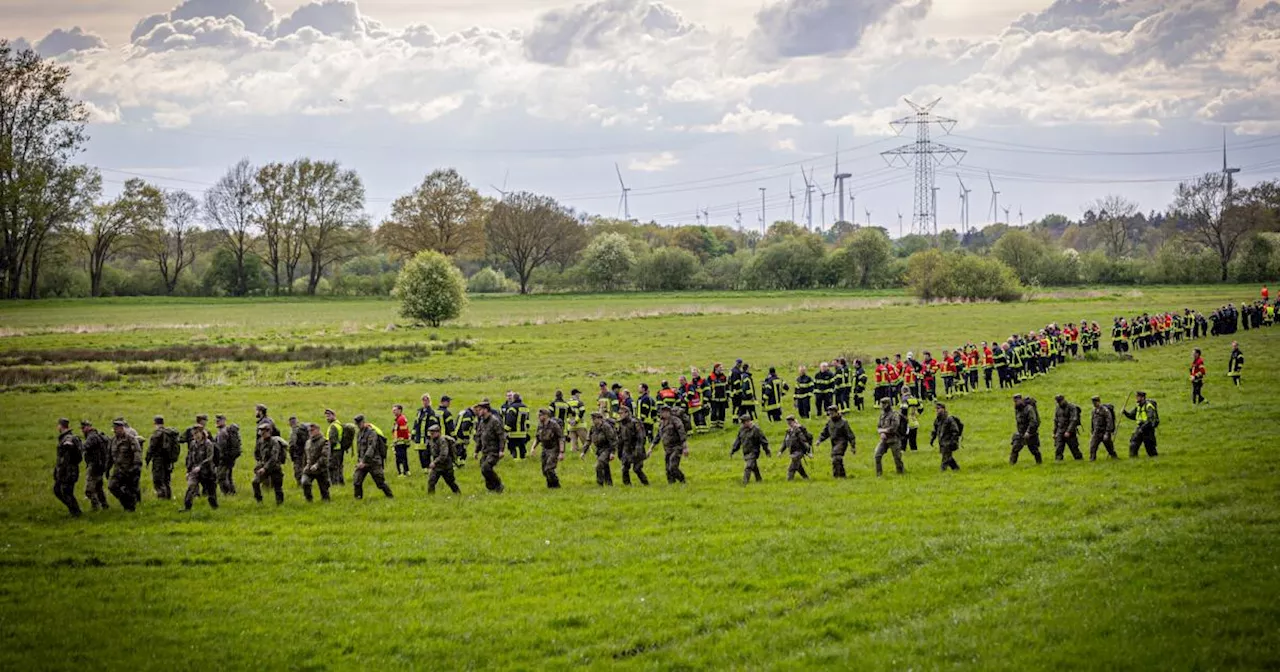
x,y
747,120
207,32
61,41
256,15
340,18
558,34
655,163
1100,16
20,44
790,28
428,111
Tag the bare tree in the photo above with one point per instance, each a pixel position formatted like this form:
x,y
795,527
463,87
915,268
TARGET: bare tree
x,y
444,213
228,209
1113,222
41,128
141,205
528,231
279,212
169,241
64,202
1212,216
334,200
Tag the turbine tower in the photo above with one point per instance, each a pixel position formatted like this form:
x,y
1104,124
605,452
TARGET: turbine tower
x,y
995,199
791,194
706,217
964,204
839,180
925,155
737,219
868,218
763,215
824,208
503,190
899,222
1006,214
1228,172
808,199
624,203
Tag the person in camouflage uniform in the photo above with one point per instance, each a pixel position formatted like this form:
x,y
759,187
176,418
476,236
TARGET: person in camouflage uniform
x,y
162,454
315,463
750,440
946,432
491,440
1066,429
229,448
550,437
442,452
299,435
1102,427
371,456
890,439
672,435
797,444
632,444
605,440
202,469
66,471
842,439
1027,435
126,466
269,455
97,462
202,421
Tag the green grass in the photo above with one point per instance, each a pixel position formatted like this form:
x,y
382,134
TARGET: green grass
x,y
1161,564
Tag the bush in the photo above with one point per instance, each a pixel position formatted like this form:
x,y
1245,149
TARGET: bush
x,y
793,263
1096,268
220,277
1257,261
1180,263
667,269
1058,269
724,272
869,255
606,263
488,281
935,275
431,289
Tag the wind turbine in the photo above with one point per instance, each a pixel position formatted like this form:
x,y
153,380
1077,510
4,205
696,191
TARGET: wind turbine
x,y
839,180
503,190
697,215
899,222
824,207
706,217
995,198
808,197
792,195
868,218
1006,214
737,219
853,208
1020,222
624,203
964,204
1229,172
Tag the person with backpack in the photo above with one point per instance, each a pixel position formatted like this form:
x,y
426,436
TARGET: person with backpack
x,y
202,461
269,455
947,431
1027,429
1235,364
890,427
340,438
315,463
229,449
260,416
299,434
162,453
632,443
673,435
797,444
605,440
1148,419
491,440
442,454
750,440
371,453
97,462
549,436
842,440
912,408
1102,426
125,465
1066,429
66,470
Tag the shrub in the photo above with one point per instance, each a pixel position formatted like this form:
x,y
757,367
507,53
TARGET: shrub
x,y
488,281
607,262
793,263
934,275
431,289
667,269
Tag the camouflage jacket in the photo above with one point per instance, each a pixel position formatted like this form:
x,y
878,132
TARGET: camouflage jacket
x,y
70,452
491,439
269,453
443,451
315,456
750,440
798,441
203,454
604,438
631,438
841,435
97,452
888,426
672,434
126,452
1066,418
550,436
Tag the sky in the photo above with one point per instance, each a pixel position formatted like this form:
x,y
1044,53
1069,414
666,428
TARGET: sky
x,y
696,104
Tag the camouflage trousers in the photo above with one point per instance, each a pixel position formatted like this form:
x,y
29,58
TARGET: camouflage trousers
x,y
272,478
837,464
320,479
751,468
488,469
604,472
335,467
948,456
673,457
550,463
201,480
1062,443
93,488
374,471
887,446
1103,440
161,478
226,472
64,488
634,462
297,468
796,467
435,475
124,486
1017,442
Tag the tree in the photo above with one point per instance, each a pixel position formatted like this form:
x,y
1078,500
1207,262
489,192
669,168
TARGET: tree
x,y
431,289
528,231
278,213
1113,221
65,201
334,208
169,241
667,269
41,128
1020,251
232,275
870,254
444,213
229,210
1212,217
791,264
141,205
607,261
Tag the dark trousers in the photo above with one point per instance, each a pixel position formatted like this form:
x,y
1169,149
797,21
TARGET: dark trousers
x,y
796,467
1062,443
161,475
858,402
673,456
550,463
274,480
718,411
913,433
949,457
837,465
630,464
93,489
700,417
1145,438
823,400
774,414
226,472
402,459
374,471
802,407
321,480
449,480
604,472
424,458
518,448
748,409
335,467
124,487
751,468
842,397
488,469
206,481
1197,391
1018,442
986,377
64,488
1104,441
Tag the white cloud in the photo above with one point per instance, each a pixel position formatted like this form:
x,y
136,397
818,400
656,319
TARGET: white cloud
x,y
655,163
747,120
61,41
604,24
789,28
430,110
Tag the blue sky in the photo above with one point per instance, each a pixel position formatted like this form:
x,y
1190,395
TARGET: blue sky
x,y
699,102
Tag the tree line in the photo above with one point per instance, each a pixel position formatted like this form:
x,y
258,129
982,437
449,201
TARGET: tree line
x,y
302,227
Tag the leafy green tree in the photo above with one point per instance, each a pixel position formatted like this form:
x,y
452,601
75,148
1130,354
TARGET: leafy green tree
x,y
791,264
870,257
607,261
233,275
528,231
444,213
431,289
488,281
1022,252
667,269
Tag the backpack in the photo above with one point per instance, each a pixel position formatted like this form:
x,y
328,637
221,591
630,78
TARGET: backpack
x,y
382,446
348,437
172,450
233,442
1155,422
959,430
902,425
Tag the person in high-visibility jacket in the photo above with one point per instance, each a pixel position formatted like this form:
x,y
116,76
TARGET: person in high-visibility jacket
x,y
577,427
948,369
698,389
843,383
881,377
1148,419
771,393
859,385
823,387
746,393
1235,364
719,383
516,424
988,364
911,409
803,398
1000,361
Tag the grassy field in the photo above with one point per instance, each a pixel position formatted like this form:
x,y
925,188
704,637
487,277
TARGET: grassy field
x,y
1132,564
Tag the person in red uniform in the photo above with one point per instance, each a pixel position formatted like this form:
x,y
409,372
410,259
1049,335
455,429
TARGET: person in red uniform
x,y
401,440
988,364
1197,378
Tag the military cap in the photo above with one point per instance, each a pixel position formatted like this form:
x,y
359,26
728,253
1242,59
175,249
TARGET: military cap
x,y
85,423
1097,398
264,426
120,419
1017,397
293,417
484,403
596,414
433,428
202,417
329,411
1140,393
544,411
664,409
159,419
261,407
64,422
939,404
118,422
790,418
744,417
832,409
885,402
219,417
445,398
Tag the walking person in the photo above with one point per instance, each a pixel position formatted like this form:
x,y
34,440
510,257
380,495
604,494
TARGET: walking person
x,y
97,462
441,448
842,440
797,444
1197,378
1102,427
1148,419
550,437
371,456
491,440
1066,427
750,440
315,463
1027,429
888,426
947,430
66,470
202,469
